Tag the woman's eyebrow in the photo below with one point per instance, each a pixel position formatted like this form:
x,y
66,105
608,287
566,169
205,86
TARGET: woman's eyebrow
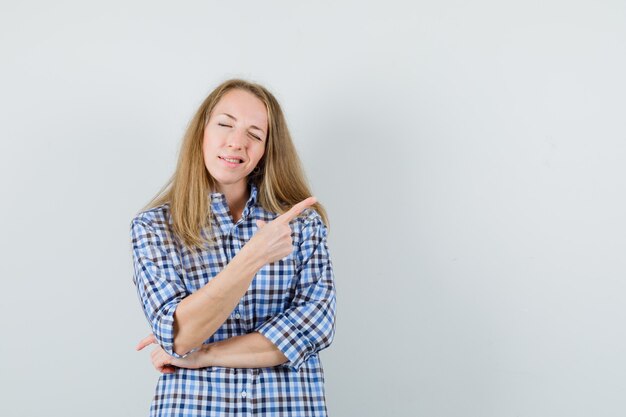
x,y
235,119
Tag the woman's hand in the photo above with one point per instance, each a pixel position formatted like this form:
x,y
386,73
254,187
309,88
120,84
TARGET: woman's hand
x,y
167,364
272,241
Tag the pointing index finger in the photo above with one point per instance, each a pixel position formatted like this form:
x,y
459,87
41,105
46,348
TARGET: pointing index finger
x,y
297,209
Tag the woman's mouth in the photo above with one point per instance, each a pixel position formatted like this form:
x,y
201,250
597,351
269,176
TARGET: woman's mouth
x,y
230,162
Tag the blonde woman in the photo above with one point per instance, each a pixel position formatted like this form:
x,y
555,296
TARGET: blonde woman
x,y
232,268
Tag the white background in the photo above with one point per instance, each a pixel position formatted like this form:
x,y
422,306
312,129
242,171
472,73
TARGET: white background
x,y
470,155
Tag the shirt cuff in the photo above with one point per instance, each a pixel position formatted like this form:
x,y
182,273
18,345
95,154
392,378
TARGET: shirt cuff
x,y
164,330
288,338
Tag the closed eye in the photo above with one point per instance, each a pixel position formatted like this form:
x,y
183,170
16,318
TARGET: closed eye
x,y
254,136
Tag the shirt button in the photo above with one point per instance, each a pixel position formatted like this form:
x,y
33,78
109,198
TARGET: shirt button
x,y
237,316
243,394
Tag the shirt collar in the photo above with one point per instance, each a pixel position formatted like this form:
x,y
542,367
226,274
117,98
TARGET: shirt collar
x,y
218,200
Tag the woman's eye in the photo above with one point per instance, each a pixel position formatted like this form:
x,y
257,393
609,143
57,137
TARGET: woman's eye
x,y
254,136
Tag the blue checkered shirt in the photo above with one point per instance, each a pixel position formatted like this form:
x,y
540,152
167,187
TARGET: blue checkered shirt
x,y
290,301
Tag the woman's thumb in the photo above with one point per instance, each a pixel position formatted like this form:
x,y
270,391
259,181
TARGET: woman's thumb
x,y
260,223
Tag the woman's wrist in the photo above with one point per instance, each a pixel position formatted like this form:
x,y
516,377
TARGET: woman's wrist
x,y
206,355
252,258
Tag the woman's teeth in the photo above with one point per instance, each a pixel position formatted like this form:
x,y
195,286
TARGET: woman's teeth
x,y
231,160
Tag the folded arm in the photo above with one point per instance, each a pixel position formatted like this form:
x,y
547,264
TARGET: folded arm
x,y
287,339
251,350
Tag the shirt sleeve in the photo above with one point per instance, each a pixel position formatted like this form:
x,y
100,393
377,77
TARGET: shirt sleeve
x,y
308,325
159,285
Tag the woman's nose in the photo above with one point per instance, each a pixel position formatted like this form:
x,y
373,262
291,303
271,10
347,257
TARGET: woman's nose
x,y
237,139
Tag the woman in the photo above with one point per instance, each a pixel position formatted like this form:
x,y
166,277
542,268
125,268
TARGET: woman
x,y
232,268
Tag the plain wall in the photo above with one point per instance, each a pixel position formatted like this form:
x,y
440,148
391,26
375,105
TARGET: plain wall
x,y
470,156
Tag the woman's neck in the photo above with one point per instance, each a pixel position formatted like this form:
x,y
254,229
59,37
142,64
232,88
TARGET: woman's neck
x,y
236,197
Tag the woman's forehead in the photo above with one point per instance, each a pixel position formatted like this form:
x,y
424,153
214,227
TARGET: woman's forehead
x,y
242,104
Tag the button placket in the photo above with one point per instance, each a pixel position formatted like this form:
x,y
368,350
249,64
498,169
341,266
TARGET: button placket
x,y
248,380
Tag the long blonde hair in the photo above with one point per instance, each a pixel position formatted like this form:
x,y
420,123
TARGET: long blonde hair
x,y
280,180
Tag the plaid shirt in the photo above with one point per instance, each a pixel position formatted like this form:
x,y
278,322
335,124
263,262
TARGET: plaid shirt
x,y
290,301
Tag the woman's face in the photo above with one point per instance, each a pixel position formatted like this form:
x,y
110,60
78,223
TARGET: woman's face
x,y
237,128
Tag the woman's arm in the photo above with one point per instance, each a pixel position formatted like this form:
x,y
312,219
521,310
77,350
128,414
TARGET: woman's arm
x,y
200,314
180,321
251,350
288,338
